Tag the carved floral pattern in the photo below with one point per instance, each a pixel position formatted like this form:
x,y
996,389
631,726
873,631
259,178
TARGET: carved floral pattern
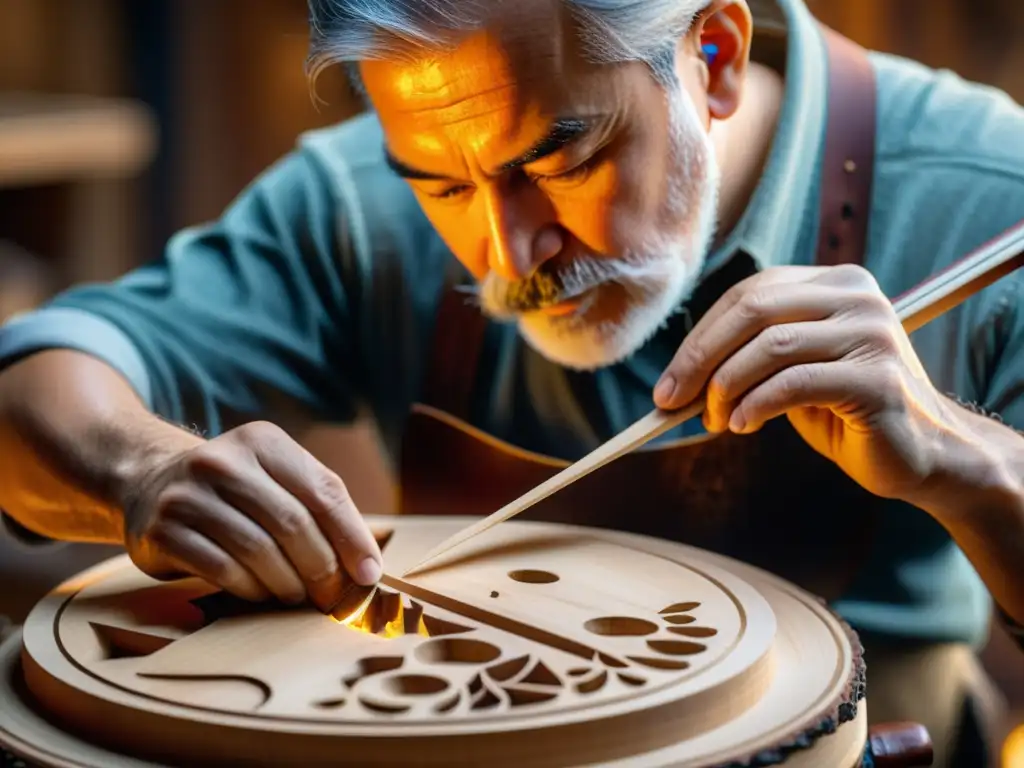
x,y
442,666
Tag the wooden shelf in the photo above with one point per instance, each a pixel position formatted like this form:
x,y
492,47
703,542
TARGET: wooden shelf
x,y
50,139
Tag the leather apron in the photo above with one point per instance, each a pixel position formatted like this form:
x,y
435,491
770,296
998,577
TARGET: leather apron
x,y
767,499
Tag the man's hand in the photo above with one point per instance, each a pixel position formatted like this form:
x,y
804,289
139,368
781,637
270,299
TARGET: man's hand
x,y
252,512
823,346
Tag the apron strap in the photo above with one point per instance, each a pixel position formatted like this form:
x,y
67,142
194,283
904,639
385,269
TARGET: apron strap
x,y
844,207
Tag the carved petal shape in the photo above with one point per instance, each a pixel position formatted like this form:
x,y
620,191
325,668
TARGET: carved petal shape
x,y
679,608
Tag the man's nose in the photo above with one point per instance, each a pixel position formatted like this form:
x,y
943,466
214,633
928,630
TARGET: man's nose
x,y
524,232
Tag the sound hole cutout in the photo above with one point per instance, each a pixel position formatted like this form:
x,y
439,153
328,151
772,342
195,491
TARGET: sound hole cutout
x,y
532,576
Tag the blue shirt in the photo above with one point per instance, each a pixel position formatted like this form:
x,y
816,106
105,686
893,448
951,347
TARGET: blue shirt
x,y
317,288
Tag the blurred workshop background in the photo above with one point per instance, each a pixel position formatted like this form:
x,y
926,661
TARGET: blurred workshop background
x,y
122,121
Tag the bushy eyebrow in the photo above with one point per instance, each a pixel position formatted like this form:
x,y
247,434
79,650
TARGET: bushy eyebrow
x,y
562,132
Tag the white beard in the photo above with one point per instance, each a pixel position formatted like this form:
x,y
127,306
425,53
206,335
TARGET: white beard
x,y
657,278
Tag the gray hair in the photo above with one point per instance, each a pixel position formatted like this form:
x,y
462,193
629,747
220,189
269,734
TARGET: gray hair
x,y
350,31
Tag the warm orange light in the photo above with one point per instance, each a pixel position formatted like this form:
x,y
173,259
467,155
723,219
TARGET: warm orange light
x,y
385,616
1013,749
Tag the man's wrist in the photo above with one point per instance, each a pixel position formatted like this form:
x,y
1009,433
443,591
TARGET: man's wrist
x,y
141,452
978,465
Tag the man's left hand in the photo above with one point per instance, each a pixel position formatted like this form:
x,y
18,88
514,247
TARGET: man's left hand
x,y
822,345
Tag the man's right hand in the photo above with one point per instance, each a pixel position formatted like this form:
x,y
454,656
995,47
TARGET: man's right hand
x,y
253,513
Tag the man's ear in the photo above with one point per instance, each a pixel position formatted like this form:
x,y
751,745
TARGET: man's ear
x,y
720,40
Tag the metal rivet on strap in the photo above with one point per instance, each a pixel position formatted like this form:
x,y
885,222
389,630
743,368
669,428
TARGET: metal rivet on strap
x,y
849,166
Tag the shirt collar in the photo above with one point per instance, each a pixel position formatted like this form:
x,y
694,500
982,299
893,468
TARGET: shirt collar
x,y
771,225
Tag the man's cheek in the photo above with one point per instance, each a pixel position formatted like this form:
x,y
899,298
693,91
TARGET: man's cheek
x,y
601,223
469,245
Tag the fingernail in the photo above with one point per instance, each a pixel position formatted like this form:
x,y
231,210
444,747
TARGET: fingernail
x,y
737,423
665,389
368,571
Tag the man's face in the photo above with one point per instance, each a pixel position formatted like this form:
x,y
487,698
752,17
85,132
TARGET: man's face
x,y
581,197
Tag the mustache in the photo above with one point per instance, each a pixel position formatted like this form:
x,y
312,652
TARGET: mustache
x,y
552,284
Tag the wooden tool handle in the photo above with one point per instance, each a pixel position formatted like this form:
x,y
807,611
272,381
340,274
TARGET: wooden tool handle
x,y
899,745
946,289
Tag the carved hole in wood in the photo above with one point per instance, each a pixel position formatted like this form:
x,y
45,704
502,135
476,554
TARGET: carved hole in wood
x,y
506,670
530,576
541,675
621,625
676,647
632,680
679,619
520,697
414,685
383,708
678,608
666,664
447,705
440,627
118,643
485,698
611,661
373,665
457,650
693,631
595,683
331,703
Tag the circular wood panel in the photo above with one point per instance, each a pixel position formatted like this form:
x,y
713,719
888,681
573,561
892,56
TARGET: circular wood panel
x,y
532,644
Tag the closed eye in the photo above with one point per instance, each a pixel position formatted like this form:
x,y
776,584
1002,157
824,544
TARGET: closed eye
x,y
449,193
575,174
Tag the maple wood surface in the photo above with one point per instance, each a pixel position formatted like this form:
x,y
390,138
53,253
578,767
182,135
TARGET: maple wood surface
x,y
534,644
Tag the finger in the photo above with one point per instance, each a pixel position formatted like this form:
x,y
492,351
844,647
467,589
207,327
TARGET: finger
x,y
767,280
326,497
846,387
193,553
242,539
774,349
295,530
740,319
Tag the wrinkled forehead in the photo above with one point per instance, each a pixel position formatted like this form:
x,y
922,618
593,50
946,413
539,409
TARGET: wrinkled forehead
x,y
522,58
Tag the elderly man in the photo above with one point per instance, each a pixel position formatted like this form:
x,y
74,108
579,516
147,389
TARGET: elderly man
x,y
647,202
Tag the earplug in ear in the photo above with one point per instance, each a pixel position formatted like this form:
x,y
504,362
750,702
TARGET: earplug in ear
x,y
710,51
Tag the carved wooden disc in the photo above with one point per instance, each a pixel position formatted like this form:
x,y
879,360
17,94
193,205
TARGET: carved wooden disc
x,y
532,644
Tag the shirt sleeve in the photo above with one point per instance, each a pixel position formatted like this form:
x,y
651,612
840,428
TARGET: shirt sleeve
x,y
1004,393
250,314
1005,396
